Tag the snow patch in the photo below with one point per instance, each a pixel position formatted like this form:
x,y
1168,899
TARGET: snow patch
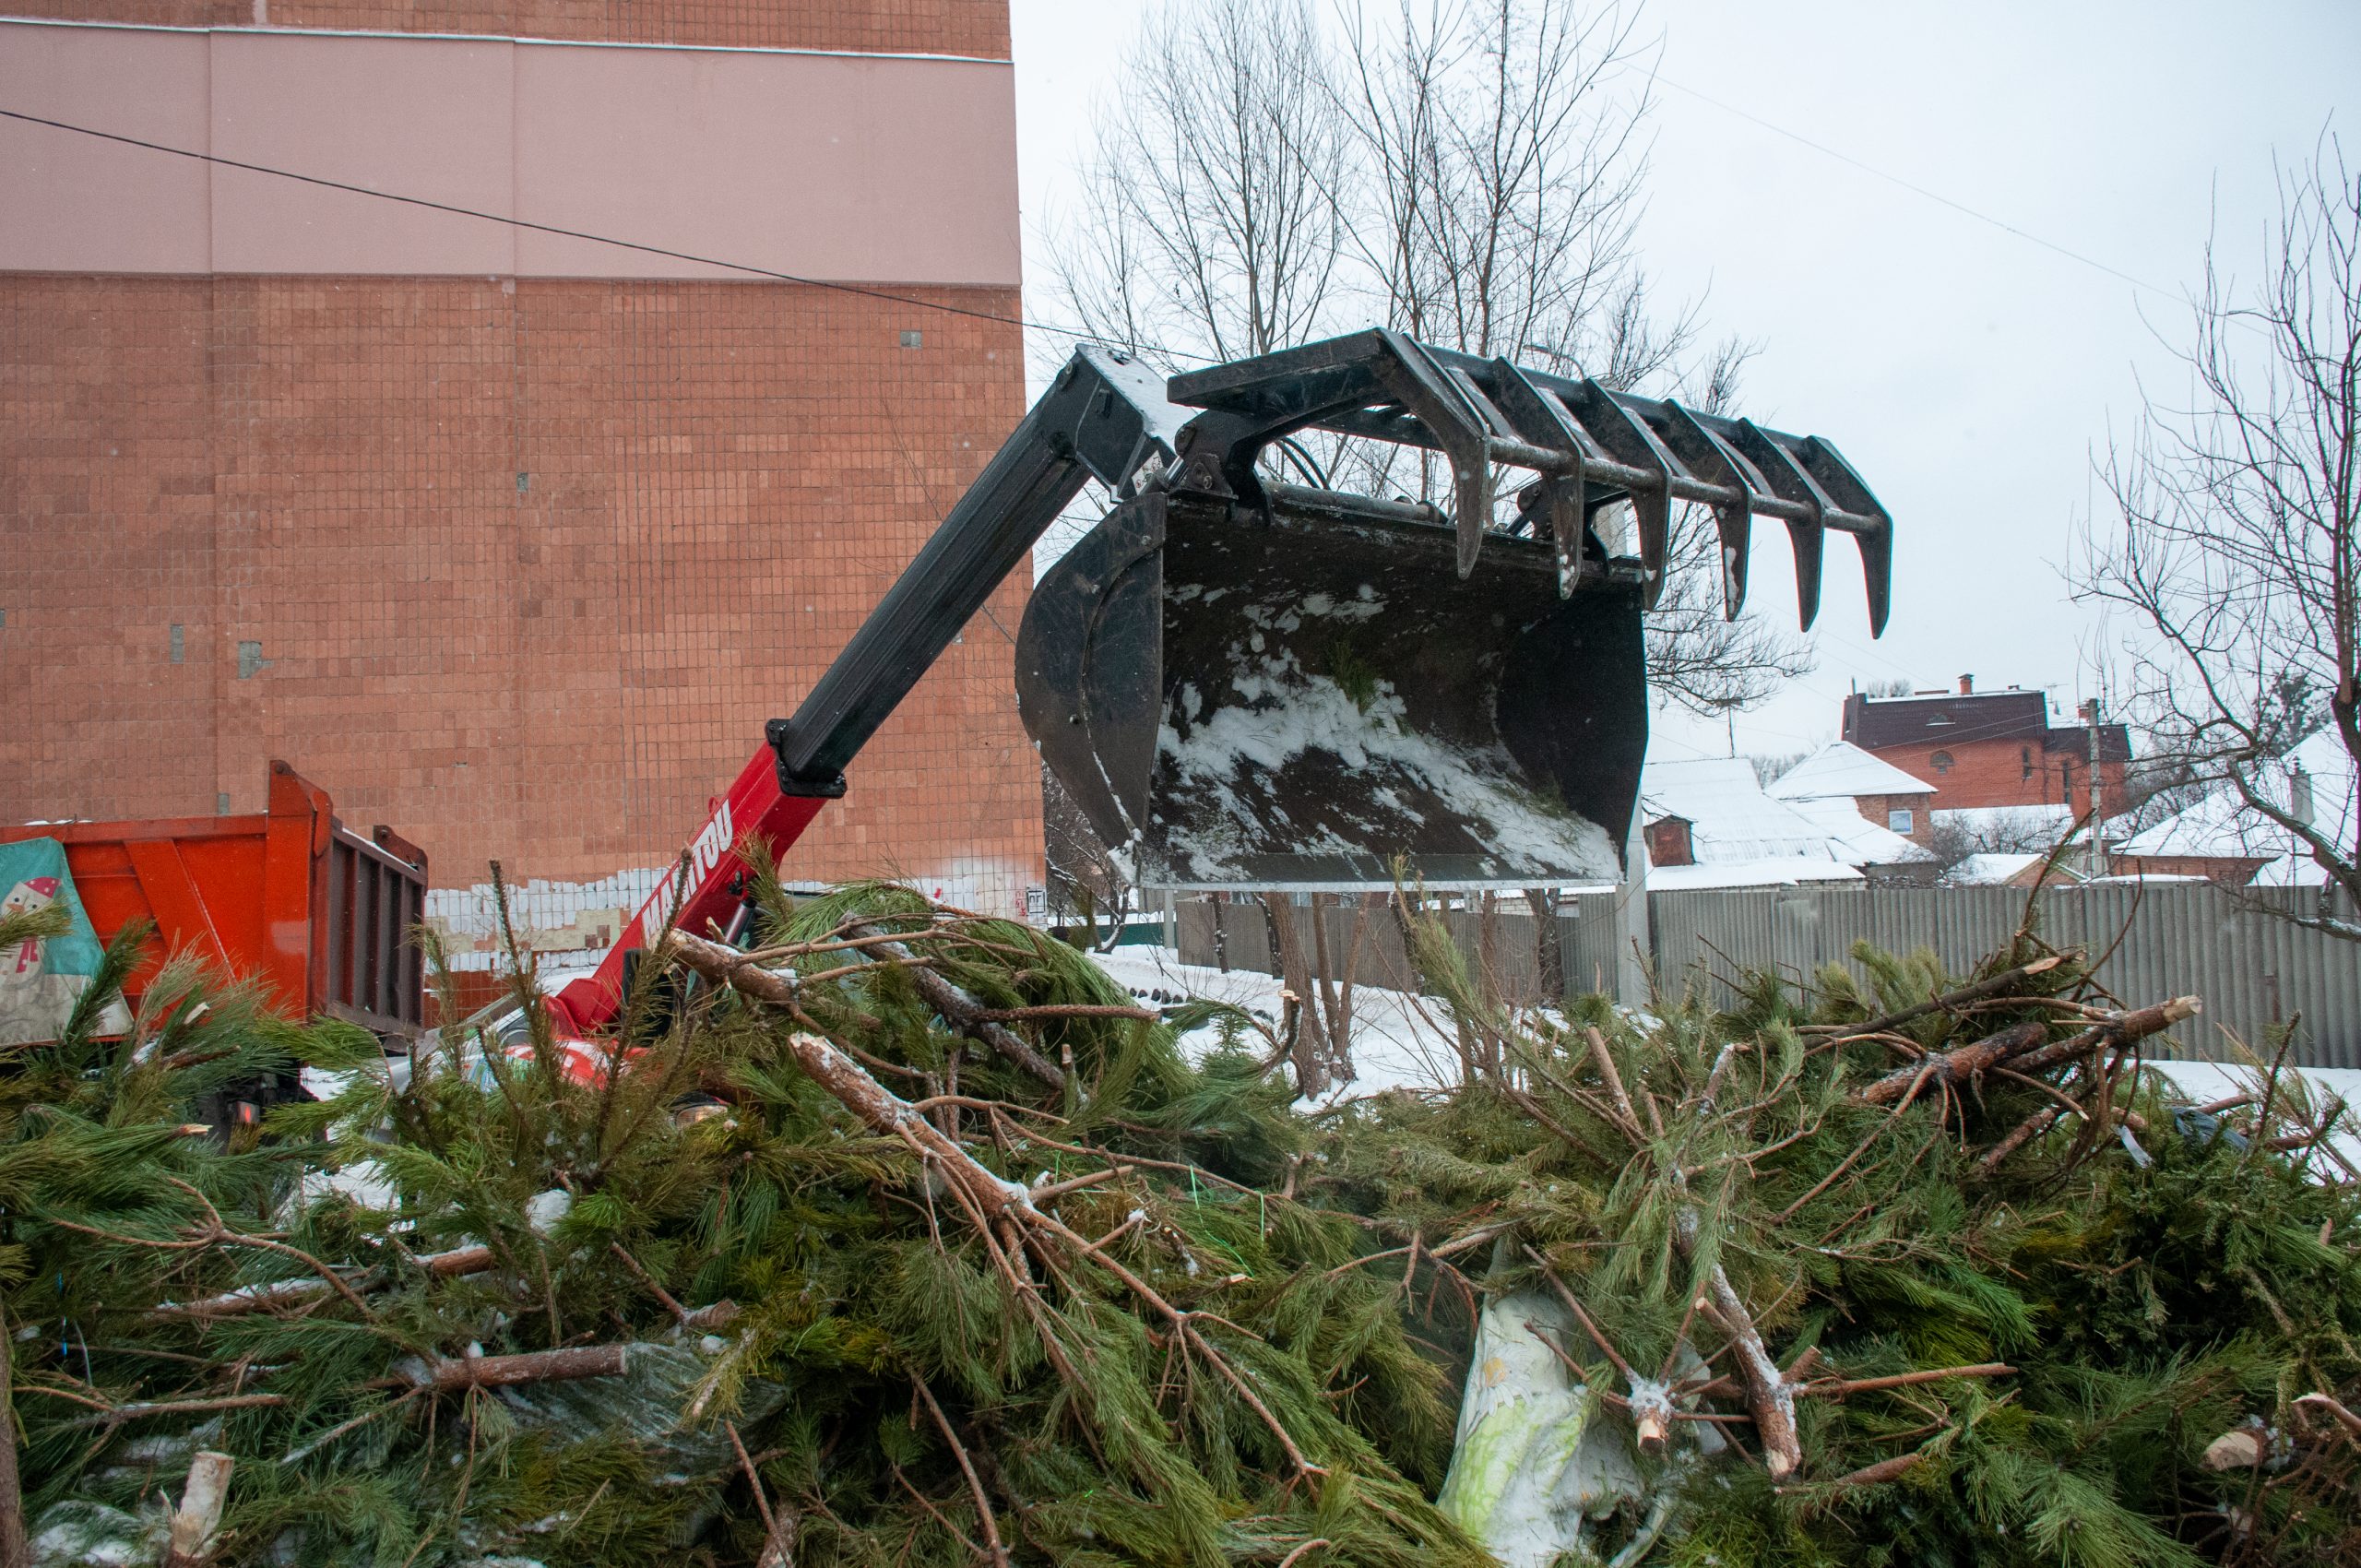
x,y
1225,763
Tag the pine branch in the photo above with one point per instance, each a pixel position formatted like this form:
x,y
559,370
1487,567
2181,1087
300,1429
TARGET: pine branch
x,y
1992,986
966,1469
994,1201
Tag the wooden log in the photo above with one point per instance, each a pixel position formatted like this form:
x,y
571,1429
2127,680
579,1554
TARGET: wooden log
x,y
1956,1065
1882,1472
2122,1030
15,1549
474,1258
1838,1387
1770,1398
569,1364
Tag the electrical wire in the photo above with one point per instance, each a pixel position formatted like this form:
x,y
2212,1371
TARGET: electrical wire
x,y
1916,189
527,223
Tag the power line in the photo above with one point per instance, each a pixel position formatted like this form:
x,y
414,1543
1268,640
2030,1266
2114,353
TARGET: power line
x,y
1916,189
432,206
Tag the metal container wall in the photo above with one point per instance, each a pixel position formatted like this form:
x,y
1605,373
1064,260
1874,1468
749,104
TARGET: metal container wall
x,y
375,898
291,896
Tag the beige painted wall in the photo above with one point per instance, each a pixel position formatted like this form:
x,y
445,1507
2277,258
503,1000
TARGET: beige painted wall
x,y
886,169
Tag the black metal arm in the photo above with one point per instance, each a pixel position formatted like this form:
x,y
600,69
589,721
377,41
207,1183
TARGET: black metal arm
x,y
1102,418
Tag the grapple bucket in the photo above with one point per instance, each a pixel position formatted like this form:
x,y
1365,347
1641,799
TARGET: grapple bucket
x,y
1298,699
1250,683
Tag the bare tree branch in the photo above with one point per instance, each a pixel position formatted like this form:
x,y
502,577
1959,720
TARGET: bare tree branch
x,y
2234,544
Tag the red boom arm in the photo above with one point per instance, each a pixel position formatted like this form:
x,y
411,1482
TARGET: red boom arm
x,y
1104,416
754,807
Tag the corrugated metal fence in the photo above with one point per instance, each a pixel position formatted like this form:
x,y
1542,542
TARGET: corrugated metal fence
x,y
2252,968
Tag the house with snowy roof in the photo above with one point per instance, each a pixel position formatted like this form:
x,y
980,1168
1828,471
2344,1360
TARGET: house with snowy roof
x,y
1841,787
1710,824
1991,750
2227,840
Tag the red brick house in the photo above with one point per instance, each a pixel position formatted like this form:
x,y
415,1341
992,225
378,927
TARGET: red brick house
x,y
1983,749
510,539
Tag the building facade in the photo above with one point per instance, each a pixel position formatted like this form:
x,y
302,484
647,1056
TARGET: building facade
x,y
511,536
1990,749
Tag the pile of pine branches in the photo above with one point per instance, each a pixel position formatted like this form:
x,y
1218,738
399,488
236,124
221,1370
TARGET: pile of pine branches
x,y
1915,1271
907,1236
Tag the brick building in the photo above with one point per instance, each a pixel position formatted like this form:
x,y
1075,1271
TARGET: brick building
x,y
1990,749
1875,790
509,539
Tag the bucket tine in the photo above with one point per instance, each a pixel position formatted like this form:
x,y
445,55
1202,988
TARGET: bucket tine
x,y
1541,420
1705,454
1835,476
1808,533
1438,404
1632,443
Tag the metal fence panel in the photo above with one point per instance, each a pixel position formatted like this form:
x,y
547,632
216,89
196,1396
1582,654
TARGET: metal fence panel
x,y
2254,969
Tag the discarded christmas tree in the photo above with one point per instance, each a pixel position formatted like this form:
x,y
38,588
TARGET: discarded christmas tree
x,y
1049,1303
907,1236
1926,1272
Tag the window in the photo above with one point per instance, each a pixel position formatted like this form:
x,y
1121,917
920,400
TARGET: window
x,y
2024,759
1940,762
1899,820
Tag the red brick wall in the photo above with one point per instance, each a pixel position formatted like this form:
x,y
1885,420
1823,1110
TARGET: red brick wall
x,y
528,563
1878,808
2230,870
923,27
2005,773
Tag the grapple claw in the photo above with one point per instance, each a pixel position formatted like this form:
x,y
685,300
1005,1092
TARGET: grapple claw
x,y
1252,683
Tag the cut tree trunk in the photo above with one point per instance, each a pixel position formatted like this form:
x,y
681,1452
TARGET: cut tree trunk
x,y
199,1514
14,1552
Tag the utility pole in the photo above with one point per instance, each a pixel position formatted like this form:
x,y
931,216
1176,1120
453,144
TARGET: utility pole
x,y
2098,848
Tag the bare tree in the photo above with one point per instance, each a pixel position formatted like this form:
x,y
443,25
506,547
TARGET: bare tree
x,y
1211,225
1471,171
1503,147
2232,543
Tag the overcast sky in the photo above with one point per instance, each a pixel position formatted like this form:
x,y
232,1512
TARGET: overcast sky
x,y
1968,372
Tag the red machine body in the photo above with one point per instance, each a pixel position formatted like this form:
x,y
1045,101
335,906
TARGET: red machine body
x,y
755,808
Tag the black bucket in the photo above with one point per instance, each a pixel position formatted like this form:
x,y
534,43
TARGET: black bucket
x,y
1309,695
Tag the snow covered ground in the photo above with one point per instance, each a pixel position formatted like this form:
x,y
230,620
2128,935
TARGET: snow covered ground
x,y
1400,1040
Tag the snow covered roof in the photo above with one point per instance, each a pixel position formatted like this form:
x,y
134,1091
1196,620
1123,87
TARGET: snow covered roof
x,y
1742,837
1732,819
2222,825
2011,829
1857,841
1990,870
1768,871
1843,768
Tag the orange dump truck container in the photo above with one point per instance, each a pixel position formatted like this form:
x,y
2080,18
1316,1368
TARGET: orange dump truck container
x,y
293,896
